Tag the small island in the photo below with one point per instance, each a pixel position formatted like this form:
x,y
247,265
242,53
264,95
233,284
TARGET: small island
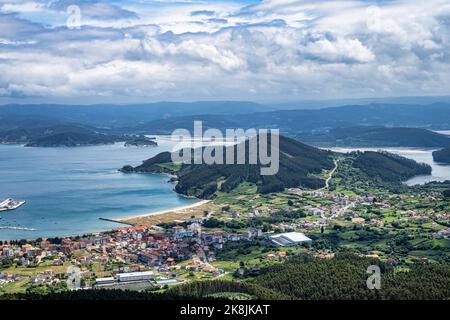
x,y
71,139
442,155
62,135
141,141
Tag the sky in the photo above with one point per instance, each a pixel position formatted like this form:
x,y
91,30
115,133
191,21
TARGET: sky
x,y
133,51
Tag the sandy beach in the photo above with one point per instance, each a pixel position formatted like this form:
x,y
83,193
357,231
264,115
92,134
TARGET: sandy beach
x,y
164,215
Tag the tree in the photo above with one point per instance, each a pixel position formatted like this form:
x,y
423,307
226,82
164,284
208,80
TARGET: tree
x,y
6,263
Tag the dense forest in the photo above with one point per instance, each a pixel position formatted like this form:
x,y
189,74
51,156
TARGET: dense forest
x,y
389,167
298,163
442,155
62,135
345,277
164,117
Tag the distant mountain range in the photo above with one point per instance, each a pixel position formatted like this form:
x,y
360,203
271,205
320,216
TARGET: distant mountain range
x,y
115,116
297,123
164,116
320,104
351,125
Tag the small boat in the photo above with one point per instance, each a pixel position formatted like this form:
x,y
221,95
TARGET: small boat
x,y
10,204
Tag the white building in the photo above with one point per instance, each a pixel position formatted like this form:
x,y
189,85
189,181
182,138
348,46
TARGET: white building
x,y
104,281
290,239
135,276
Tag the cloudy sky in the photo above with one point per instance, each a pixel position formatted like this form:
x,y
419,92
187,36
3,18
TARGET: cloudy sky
x,y
90,51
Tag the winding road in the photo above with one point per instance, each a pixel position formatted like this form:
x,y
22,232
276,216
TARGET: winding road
x,y
330,175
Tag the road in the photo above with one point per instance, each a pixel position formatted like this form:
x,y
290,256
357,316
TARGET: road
x,y
330,175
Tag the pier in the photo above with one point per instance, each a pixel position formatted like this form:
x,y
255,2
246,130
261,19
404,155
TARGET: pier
x,y
115,221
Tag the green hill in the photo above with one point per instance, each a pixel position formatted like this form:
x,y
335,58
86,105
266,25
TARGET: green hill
x,y
442,155
298,165
67,135
379,137
389,167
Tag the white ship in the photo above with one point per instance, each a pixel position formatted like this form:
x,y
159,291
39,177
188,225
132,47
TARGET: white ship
x,y
10,204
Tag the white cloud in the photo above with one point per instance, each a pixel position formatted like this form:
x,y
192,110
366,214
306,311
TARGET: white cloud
x,y
278,49
340,50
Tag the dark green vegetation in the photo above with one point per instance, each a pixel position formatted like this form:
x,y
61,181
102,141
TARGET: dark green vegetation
x,y
389,167
374,172
345,277
379,137
442,155
157,164
300,278
58,136
298,164
140,141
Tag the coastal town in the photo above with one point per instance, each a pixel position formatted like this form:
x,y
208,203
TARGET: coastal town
x,y
125,254
152,257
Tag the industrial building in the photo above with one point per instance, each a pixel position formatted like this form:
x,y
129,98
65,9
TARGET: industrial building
x,y
105,281
290,239
135,276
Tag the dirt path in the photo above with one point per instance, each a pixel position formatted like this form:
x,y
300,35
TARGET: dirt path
x,y
330,176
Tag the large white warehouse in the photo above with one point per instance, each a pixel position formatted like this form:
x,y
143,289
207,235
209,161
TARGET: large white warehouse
x,y
290,239
135,276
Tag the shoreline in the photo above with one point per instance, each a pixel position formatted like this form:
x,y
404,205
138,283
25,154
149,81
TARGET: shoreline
x,y
163,212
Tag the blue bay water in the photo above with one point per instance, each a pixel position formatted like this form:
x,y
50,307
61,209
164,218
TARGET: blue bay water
x,y
67,189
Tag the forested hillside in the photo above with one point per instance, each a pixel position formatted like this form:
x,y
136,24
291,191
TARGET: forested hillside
x,y
442,155
389,167
298,164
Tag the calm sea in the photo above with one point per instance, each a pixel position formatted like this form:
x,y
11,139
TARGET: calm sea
x,y
68,189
